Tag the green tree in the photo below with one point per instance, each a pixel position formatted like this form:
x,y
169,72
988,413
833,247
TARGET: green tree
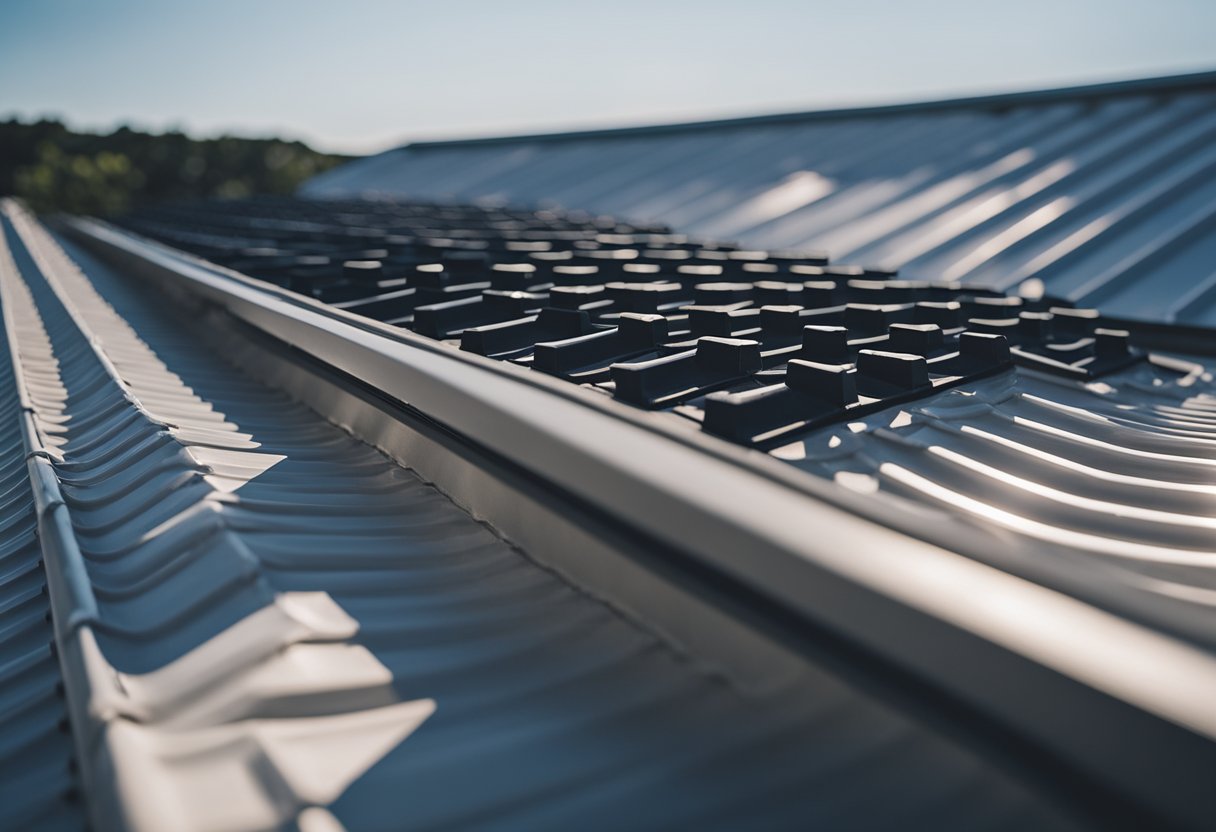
x,y
56,169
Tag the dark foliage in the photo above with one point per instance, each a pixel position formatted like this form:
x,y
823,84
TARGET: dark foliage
x,y
55,169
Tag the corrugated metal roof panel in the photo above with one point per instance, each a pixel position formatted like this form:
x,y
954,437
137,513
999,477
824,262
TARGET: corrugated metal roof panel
x,y
730,353
279,625
1106,195
38,788
1026,438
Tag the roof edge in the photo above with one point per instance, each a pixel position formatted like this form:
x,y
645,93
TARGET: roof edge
x,y
1107,89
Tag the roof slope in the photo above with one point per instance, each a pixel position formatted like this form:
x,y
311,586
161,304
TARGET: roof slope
x,y
1027,420
1062,453
38,788
1105,194
265,603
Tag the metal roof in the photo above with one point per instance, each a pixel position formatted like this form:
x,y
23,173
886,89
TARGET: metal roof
x,y
265,623
1023,418
1104,195
38,786
1042,442
396,515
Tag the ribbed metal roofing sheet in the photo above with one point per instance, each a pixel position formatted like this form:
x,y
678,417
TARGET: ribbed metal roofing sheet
x,y
1103,195
1039,458
273,625
38,788
1047,447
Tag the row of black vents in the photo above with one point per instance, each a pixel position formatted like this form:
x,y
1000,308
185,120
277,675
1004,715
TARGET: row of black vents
x,y
756,346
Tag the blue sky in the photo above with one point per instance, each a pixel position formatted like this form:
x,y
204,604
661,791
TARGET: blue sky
x,y
362,75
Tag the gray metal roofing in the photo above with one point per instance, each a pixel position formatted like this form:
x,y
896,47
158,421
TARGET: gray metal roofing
x,y
1105,194
1110,490
38,788
271,623
1096,484
1042,463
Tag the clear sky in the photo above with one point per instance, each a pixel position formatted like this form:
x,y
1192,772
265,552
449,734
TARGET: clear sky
x,y
362,75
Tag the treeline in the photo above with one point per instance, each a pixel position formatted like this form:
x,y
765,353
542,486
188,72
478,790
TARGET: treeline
x,y
56,169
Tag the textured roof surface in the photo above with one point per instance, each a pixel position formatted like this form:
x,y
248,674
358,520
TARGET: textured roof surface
x,y
1109,487
1091,466
37,784
272,623
1038,440
1106,195
411,515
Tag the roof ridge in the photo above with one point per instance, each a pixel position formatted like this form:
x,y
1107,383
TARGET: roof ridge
x,y
1106,89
